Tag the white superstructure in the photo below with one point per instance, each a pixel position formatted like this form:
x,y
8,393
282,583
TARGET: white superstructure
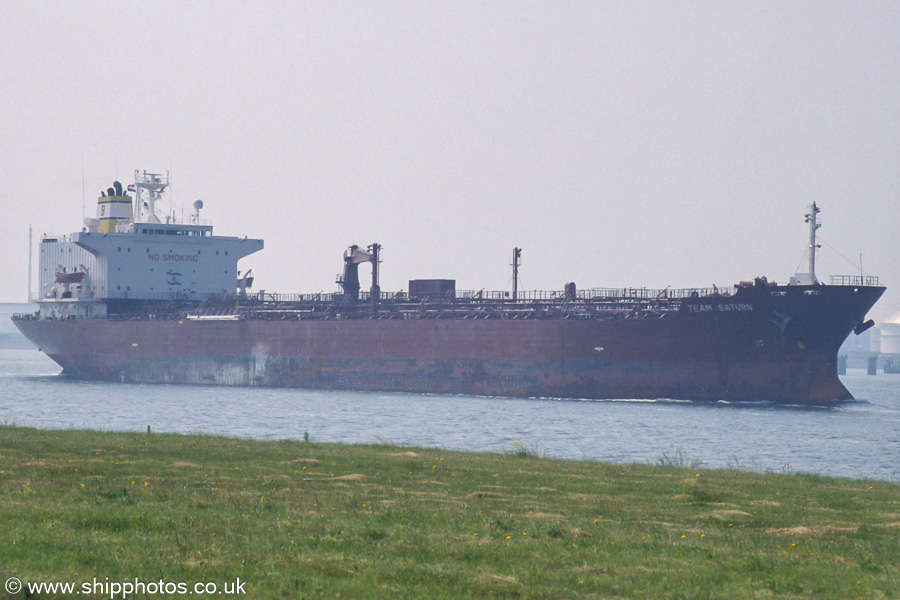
x,y
128,252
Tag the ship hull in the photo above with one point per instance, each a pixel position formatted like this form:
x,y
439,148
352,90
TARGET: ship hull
x,y
769,344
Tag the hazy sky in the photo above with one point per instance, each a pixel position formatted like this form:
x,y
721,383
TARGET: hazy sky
x,y
618,143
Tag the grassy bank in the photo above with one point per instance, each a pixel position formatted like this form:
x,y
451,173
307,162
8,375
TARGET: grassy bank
x,y
309,520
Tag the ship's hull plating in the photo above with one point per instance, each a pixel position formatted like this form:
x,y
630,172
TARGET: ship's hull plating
x,y
777,344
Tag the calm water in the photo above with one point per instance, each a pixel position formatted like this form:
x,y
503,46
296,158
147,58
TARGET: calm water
x,y
857,439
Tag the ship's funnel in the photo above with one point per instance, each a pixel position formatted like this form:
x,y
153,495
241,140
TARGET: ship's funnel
x,y
113,210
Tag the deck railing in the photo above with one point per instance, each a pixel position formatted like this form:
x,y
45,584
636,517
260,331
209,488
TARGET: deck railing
x,y
469,297
860,280
473,296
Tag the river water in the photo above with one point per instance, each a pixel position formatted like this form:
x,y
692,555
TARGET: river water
x,y
857,439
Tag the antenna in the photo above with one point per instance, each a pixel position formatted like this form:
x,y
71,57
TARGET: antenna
x,y
517,254
29,263
813,225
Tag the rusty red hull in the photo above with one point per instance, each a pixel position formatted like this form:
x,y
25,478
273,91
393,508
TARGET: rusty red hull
x,y
775,343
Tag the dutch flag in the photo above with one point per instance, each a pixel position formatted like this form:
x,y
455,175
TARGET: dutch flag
x,y
131,187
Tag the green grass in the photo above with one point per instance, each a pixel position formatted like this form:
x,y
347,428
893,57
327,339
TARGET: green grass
x,y
295,519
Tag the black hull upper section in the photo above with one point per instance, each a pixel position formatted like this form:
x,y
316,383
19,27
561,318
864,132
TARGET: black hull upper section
x,y
769,343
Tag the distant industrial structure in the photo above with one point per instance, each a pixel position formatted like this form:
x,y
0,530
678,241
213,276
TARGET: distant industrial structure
x,y
877,349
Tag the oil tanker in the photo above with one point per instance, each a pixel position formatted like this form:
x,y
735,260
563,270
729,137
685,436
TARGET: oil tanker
x,y
137,297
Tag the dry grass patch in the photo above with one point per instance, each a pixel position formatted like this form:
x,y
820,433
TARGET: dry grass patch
x,y
812,530
724,515
351,477
494,578
593,498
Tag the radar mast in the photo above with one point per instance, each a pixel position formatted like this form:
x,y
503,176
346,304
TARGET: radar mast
x,y
148,188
